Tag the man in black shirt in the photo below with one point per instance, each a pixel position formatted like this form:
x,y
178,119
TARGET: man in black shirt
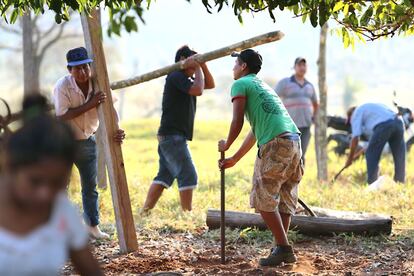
x,y
177,123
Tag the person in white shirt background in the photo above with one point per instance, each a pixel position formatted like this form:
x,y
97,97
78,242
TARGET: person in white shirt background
x,y
39,228
76,103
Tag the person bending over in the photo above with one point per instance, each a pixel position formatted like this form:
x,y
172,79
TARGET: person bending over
x,y
381,125
278,169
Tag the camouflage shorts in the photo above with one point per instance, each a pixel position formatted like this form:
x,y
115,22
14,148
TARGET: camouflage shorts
x,y
277,173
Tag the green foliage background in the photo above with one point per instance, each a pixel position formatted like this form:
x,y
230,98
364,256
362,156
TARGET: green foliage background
x,y
366,19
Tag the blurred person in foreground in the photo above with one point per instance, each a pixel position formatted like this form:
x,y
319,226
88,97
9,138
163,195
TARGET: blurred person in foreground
x,y
381,125
76,103
179,104
39,228
301,101
278,168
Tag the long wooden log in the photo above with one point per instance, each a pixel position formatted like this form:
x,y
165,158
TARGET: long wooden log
x,y
225,51
344,222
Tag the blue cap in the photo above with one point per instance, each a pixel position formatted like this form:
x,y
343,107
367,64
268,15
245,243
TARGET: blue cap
x,y
77,57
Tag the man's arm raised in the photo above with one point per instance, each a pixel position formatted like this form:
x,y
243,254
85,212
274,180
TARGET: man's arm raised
x,y
208,78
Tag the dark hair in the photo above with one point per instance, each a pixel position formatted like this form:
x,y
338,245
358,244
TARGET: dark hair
x,y
40,136
253,69
252,59
185,52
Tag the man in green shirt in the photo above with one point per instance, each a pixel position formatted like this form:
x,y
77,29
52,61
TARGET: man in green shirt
x,y
278,168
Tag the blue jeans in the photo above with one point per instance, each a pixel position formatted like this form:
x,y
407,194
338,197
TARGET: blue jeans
x,y
391,131
175,163
304,140
87,164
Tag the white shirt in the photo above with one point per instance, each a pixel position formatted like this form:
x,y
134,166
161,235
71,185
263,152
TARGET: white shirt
x,y
68,95
45,250
367,116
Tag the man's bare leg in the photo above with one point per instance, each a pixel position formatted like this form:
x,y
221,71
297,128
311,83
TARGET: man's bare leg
x,y
186,197
282,251
274,222
286,218
154,194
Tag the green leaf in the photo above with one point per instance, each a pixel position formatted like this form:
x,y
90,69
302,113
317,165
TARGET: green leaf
x,y
14,15
73,4
130,24
338,6
58,18
345,38
399,10
314,18
56,6
304,17
366,16
346,10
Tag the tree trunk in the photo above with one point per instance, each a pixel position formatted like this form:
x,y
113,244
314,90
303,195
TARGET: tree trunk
x,y
321,141
329,222
30,61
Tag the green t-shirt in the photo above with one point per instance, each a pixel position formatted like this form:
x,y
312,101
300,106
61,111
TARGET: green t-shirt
x,y
264,109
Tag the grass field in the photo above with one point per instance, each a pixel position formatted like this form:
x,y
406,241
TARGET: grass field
x,y
141,159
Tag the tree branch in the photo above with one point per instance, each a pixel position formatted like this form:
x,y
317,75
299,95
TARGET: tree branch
x,y
52,41
75,35
10,30
49,31
10,48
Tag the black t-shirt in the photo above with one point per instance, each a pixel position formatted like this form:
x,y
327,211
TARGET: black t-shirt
x,y
178,107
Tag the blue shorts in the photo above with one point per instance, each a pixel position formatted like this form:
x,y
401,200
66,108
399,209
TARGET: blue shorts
x,y
175,163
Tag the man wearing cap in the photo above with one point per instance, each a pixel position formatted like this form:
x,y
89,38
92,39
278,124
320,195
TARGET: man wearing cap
x,y
76,103
177,123
381,125
278,168
300,99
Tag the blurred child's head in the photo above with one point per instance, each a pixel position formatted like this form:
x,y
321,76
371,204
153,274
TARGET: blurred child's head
x,y
38,157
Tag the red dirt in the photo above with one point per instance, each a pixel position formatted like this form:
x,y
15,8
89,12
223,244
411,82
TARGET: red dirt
x,y
188,254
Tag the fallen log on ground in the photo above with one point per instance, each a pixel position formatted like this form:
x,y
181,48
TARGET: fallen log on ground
x,y
222,52
328,222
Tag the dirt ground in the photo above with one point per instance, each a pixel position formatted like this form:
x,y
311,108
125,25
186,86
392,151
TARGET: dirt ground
x,y
198,254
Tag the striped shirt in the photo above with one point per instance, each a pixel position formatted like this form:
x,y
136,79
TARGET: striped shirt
x,y
298,100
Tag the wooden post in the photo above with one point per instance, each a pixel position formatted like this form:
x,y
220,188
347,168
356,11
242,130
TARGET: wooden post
x,y
223,211
102,176
108,122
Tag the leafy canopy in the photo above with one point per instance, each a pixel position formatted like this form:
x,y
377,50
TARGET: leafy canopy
x,y
369,19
